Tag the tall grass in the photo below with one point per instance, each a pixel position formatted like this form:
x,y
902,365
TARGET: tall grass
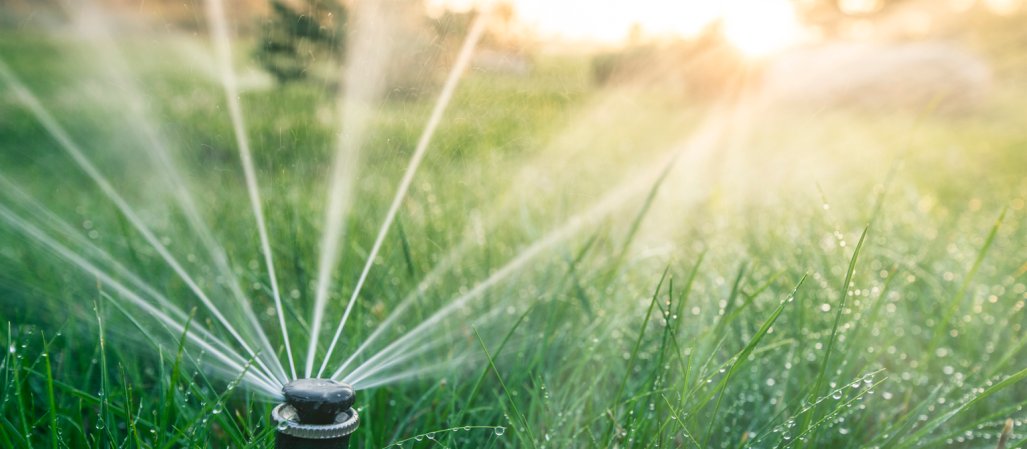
x,y
722,306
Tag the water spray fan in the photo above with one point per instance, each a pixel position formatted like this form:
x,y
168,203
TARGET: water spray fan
x,y
316,414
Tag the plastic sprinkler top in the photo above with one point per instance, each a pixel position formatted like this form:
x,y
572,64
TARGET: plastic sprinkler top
x,y
316,414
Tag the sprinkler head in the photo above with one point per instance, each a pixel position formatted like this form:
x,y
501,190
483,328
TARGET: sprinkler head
x,y
316,414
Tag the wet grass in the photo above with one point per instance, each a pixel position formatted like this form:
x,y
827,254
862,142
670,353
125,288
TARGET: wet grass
x,y
836,279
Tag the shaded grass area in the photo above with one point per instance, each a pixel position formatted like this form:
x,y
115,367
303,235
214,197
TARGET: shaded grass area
x,y
740,301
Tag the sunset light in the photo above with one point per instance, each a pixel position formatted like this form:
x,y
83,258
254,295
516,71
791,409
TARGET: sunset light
x,y
756,27
759,28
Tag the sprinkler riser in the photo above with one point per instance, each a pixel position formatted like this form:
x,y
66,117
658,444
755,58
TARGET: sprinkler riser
x,y
316,414
283,441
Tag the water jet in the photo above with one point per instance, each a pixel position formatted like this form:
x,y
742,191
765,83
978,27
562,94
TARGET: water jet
x,y
316,414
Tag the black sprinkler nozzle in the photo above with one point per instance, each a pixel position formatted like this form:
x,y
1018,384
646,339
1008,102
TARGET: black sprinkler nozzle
x,y
316,414
318,401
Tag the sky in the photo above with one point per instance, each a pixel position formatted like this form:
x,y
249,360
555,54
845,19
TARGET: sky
x,y
755,26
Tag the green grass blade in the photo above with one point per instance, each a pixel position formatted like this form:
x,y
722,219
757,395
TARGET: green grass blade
x,y
953,305
818,386
51,400
743,356
506,391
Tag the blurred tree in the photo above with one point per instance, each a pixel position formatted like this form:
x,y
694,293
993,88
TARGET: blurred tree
x,y
451,27
830,16
704,66
300,34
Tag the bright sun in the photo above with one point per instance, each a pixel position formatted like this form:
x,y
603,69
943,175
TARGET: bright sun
x,y
756,27
761,27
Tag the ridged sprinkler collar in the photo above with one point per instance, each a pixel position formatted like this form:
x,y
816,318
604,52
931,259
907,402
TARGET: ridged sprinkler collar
x,y
316,414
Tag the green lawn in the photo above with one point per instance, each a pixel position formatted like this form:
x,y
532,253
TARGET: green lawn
x,y
791,279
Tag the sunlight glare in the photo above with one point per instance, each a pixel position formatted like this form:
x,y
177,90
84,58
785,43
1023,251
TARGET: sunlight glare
x,y
606,21
756,27
1004,7
760,28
